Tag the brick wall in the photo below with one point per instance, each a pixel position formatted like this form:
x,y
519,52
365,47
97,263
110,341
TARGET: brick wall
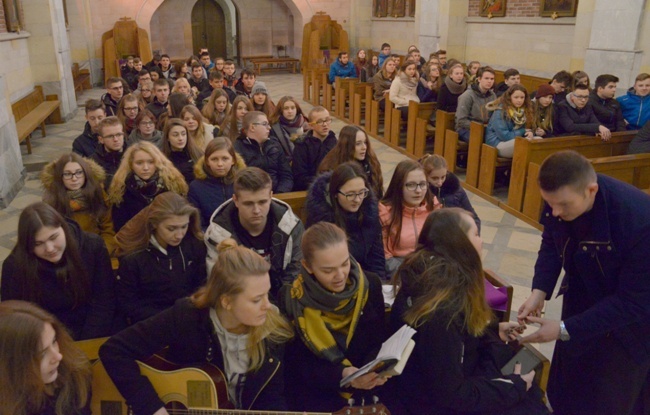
x,y
514,8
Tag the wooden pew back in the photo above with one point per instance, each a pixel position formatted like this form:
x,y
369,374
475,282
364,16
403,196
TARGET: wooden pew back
x,y
25,105
531,83
297,202
444,121
416,110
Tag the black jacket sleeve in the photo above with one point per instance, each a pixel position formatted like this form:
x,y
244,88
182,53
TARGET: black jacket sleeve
x,y
131,307
568,125
376,259
101,312
302,173
8,282
284,176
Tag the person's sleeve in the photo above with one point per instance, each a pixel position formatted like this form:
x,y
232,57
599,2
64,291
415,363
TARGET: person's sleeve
x,y
444,103
377,87
462,111
301,173
569,126
293,269
77,148
352,71
200,274
384,216
131,305
8,281
620,121
332,74
285,176
501,128
99,321
272,396
547,266
394,96
467,205
376,260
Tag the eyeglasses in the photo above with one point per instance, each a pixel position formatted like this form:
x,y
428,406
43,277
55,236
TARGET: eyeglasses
x,y
78,174
354,196
113,136
147,123
413,186
323,122
265,123
581,97
130,109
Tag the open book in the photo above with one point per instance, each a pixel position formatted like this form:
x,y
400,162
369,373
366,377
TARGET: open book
x,y
392,356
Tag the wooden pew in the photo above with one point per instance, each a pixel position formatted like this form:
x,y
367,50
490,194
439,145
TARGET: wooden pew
x,y
453,146
297,202
633,169
318,82
531,83
360,104
393,135
423,131
344,95
32,111
80,78
417,110
444,121
476,138
373,118
306,84
489,163
536,151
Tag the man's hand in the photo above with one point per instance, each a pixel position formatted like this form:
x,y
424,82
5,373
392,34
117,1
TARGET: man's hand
x,y
532,306
604,132
549,330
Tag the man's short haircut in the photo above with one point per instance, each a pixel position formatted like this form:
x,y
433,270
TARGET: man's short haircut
x,y
164,55
228,62
384,46
341,53
469,65
113,80
642,77
484,69
441,52
315,110
108,122
604,79
216,75
94,105
566,168
219,58
137,60
250,118
204,54
414,50
252,179
160,82
562,77
510,72
196,65
247,71
143,72
581,87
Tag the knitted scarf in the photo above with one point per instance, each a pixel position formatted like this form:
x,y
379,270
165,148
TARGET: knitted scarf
x,y
293,127
455,88
518,116
78,201
150,188
326,321
410,82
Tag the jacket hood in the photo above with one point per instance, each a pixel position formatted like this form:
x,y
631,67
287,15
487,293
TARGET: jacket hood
x,y
450,186
478,92
199,172
47,174
569,102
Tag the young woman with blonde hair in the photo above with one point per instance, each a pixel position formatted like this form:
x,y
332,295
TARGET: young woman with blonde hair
x,y
41,370
453,86
143,174
229,323
382,81
182,86
404,87
200,132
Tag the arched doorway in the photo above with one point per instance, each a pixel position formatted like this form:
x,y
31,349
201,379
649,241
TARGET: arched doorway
x,y
209,28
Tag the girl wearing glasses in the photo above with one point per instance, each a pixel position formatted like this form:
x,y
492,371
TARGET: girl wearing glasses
x,y
353,145
128,110
41,370
332,290
143,174
145,130
146,92
62,269
180,149
232,125
344,197
73,186
402,212
510,118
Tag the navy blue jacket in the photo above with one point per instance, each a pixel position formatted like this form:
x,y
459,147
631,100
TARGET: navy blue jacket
x,y
364,236
269,157
85,144
308,153
452,194
608,112
613,266
571,120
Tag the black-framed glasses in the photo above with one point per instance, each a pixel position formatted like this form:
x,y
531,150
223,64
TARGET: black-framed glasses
x,y
69,175
413,186
130,109
323,122
354,196
113,136
146,123
581,97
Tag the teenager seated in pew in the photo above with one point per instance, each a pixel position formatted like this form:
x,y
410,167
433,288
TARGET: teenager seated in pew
x,y
110,148
145,130
128,110
244,86
420,58
470,72
560,82
197,81
414,55
441,54
403,89
575,115
544,114
146,92
113,95
181,70
360,61
636,103
384,54
509,120
445,185
216,81
342,68
310,149
337,310
86,143
369,70
182,86
229,323
605,106
459,349
430,83
261,100
510,77
41,370
232,125
216,108
382,81
472,103
453,86
344,197
353,145
402,212
579,78
641,142
288,123
198,130
182,151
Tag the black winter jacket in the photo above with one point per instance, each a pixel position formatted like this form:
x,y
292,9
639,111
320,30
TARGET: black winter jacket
x,y
85,144
571,120
184,163
157,108
109,160
452,194
132,203
308,153
268,157
110,104
608,112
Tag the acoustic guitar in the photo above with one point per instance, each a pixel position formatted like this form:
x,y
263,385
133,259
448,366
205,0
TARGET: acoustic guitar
x,y
188,390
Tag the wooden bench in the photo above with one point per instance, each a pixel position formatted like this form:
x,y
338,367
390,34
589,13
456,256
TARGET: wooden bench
x,y
32,111
319,84
297,202
489,164
360,104
288,64
81,78
476,138
247,60
417,111
633,169
444,121
531,83
343,92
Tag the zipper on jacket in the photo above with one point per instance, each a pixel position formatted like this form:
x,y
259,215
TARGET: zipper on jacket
x,y
415,228
265,383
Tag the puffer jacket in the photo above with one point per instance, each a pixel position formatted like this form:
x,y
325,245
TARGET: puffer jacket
x,y
452,194
636,109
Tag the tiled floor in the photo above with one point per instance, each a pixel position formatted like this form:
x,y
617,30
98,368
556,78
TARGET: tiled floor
x,y
509,245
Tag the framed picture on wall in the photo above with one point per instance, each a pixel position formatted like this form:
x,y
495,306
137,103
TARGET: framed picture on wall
x,y
492,8
558,8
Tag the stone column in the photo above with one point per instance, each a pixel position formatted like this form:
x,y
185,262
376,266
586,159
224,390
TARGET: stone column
x,y
12,172
49,51
613,43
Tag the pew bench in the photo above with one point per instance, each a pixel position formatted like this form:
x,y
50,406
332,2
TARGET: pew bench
x,y
81,78
360,104
444,121
417,111
287,64
32,111
297,202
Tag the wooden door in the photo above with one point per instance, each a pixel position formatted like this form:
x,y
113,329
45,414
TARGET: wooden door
x,y
209,28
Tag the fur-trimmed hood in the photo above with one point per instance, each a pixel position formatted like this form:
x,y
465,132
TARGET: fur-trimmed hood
x,y
47,175
200,174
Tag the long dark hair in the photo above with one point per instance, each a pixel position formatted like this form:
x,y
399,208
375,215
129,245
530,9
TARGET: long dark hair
x,y
394,198
72,275
340,176
343,152
449,277
56,194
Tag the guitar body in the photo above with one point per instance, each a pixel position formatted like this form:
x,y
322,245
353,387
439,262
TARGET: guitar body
x,y
198,388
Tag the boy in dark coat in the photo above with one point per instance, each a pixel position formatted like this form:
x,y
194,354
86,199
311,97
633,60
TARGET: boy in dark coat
x,y
576,116
606,108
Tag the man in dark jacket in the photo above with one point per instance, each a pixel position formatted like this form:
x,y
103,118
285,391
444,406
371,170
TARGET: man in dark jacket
x,y
606,108
111,99
597,229
85,144
159,104
110,149
258,221
258,150
576,116
244,85
216,81
510,77
310,149
471,103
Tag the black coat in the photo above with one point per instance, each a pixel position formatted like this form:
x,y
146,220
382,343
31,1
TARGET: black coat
x,y
452,194
447,100
85,144
268,157
110,105
207,194
109,160
157,108
184,163
149,280
608,112
312,383
89,320
364,237
191,338
571,120
308,152
132,202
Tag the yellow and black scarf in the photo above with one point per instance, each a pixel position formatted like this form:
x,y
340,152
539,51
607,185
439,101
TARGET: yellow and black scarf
x,y
324,320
